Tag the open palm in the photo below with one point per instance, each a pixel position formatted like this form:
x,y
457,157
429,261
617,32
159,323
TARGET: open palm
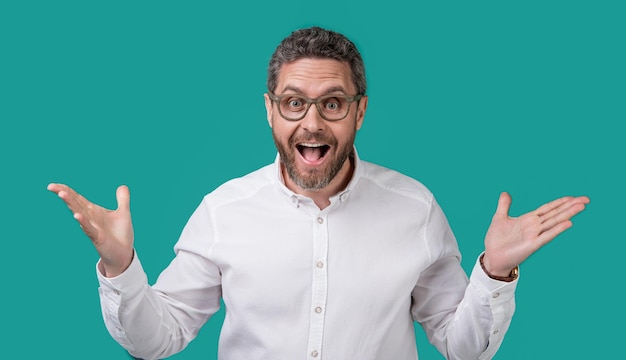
x,y
111,231
511,240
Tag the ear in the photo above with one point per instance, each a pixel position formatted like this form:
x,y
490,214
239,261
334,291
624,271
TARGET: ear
x,y
269,108
360,112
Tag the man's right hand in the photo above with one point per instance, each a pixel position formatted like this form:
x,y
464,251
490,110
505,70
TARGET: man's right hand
x,y
111,231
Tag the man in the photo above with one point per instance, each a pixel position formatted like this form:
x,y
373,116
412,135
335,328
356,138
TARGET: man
x,y
320,254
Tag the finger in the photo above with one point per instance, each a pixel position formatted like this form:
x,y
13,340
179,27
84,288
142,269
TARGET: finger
x,y
504,205
85,224
553,232
546,208
123,198
564,215
565,206
73,200
56,188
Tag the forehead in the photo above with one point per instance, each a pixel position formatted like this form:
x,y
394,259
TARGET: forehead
x,y
313,77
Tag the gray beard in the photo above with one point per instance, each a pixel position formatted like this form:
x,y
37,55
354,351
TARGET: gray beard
x,y
313,179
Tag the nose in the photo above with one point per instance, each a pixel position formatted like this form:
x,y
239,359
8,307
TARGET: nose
x,y
313,121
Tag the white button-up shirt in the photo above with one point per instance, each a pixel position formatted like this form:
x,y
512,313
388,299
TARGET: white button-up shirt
x,y
298,282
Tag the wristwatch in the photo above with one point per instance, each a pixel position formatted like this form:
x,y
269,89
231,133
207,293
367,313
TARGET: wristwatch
x,y
512,275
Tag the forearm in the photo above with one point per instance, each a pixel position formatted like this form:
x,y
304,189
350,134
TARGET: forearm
x,y
464,320
143,320
482,317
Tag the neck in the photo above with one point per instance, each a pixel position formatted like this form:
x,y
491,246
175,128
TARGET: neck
x,y
321,197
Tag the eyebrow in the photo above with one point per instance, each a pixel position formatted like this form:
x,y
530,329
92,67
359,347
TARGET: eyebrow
x,y
330,90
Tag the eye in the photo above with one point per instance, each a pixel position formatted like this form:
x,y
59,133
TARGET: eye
x,y
332,104
294,103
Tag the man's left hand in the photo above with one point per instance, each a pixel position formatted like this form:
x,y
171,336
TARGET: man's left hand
x,y
511,240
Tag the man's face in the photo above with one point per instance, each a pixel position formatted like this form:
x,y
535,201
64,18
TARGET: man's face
x,y
313,150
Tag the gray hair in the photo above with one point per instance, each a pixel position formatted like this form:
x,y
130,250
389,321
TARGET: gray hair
x,y
316,42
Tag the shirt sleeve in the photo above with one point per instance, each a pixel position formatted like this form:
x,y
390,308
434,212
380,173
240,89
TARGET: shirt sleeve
x,y
463,318
157,321
500,299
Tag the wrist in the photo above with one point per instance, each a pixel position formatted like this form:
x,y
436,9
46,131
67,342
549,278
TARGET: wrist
x,y
113,269
500,276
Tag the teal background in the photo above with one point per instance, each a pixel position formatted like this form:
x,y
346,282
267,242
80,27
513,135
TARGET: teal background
x,y
469,98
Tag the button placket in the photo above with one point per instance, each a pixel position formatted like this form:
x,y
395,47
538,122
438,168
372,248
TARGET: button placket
x,y
319,289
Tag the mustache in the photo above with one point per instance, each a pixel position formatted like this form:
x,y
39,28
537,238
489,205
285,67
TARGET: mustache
x,y
308,136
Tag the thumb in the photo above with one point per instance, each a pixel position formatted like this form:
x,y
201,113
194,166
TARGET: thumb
x,y
123,198
504,205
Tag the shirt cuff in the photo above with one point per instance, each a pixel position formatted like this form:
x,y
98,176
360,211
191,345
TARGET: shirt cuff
x,y
500,296
128,283
489,286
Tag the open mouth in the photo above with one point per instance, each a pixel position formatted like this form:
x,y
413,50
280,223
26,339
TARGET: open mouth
x,y
312,152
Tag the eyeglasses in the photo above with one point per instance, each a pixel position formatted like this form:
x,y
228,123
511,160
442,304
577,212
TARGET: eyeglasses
x,y
293,107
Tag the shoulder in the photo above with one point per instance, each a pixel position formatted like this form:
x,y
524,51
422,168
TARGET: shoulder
x,y
380,178
243,187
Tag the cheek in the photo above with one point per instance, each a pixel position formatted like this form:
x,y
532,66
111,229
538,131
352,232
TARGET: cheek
x,y
282,130
345,133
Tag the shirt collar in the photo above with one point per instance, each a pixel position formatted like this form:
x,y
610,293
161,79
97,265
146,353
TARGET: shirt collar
x,y
341,196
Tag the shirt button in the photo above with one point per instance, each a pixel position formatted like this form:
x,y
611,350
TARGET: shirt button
x,y
314,353
495,332
318,310
319,264
320,220
496,295
116,292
